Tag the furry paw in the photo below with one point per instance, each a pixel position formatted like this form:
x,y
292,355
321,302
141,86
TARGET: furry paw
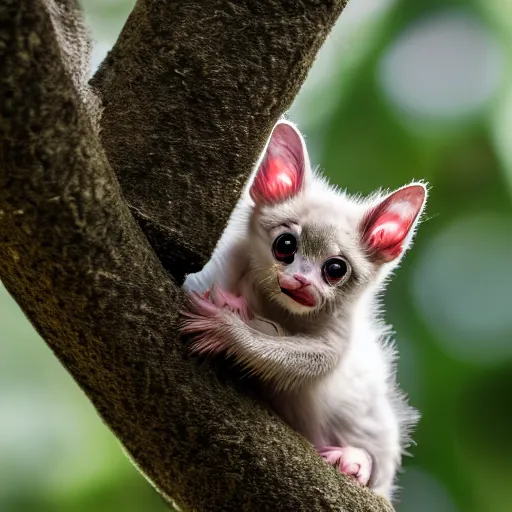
x,y
201,319
206,319
227,300
349,460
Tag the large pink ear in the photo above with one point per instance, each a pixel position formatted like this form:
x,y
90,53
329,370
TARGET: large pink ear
x,y
387,226
281,173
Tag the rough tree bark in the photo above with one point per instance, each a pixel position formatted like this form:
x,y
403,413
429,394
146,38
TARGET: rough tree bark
x,y
190,93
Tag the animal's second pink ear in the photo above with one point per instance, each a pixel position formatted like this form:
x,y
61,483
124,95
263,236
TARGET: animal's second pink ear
x,y
281,173
386,227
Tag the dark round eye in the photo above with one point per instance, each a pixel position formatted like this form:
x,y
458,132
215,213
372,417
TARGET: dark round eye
x,y
285,247
335,270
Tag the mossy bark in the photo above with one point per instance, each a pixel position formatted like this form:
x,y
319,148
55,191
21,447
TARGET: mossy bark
x,y
190,93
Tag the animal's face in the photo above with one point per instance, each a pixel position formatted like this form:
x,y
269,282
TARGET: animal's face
x,y
307,257
313,247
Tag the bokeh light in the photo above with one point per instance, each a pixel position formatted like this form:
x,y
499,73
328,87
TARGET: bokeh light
x,y
401,90
462,284
442,67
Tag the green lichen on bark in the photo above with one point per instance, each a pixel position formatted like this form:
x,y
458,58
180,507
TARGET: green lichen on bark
x,y
190,93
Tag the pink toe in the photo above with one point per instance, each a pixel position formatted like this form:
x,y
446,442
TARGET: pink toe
x,y
349,460
350,469
331,454
226,300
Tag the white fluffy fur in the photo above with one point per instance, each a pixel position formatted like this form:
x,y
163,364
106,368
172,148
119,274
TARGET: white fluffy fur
x,y
357,403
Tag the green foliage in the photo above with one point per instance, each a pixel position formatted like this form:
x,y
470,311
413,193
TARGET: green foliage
x,y
449,303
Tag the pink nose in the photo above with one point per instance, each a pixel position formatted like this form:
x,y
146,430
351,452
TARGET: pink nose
x,y
293,283
301,279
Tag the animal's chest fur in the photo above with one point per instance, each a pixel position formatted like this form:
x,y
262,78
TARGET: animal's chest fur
x,y
341,408
332,411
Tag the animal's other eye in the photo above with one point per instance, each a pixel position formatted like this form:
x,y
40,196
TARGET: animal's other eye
x,y
285,247
335,270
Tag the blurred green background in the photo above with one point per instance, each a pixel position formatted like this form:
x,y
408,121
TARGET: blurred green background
x,y
403,89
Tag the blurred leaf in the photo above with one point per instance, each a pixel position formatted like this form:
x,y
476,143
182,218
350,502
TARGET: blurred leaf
x,y
60,457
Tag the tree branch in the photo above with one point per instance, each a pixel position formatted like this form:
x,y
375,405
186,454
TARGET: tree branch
x,y
191,91
83,272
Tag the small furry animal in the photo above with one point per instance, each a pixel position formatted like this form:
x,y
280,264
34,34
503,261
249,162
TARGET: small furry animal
x,y
291,293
